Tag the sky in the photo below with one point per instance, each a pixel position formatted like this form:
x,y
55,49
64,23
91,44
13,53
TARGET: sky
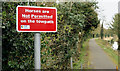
x,y
107,10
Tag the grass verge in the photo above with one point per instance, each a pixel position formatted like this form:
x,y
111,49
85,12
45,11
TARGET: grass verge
x,y
82,63
107,48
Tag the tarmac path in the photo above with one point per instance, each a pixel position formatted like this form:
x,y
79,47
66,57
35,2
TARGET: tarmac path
x,y
98,58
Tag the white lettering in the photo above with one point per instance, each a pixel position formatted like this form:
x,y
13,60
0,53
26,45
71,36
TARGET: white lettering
x,y
23,21
31,21
41,16
45,11
30,11
25,16
44,22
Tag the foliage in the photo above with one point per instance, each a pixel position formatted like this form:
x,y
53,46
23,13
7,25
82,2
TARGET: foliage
x,y
17,47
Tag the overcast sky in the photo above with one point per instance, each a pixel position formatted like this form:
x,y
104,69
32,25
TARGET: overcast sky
x,y
107,10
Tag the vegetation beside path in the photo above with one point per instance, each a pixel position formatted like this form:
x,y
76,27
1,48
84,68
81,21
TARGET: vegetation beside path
x,y
107,48
83,58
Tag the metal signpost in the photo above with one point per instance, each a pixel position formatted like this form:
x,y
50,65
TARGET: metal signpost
x,y
37,46
36,19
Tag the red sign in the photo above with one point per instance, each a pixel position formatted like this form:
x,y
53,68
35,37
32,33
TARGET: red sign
x,y
36,19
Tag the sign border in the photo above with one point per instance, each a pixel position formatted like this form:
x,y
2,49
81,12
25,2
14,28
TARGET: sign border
x,y
34,7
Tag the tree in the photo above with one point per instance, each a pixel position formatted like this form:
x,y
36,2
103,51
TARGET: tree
x,y
101,32
115,27
119,32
